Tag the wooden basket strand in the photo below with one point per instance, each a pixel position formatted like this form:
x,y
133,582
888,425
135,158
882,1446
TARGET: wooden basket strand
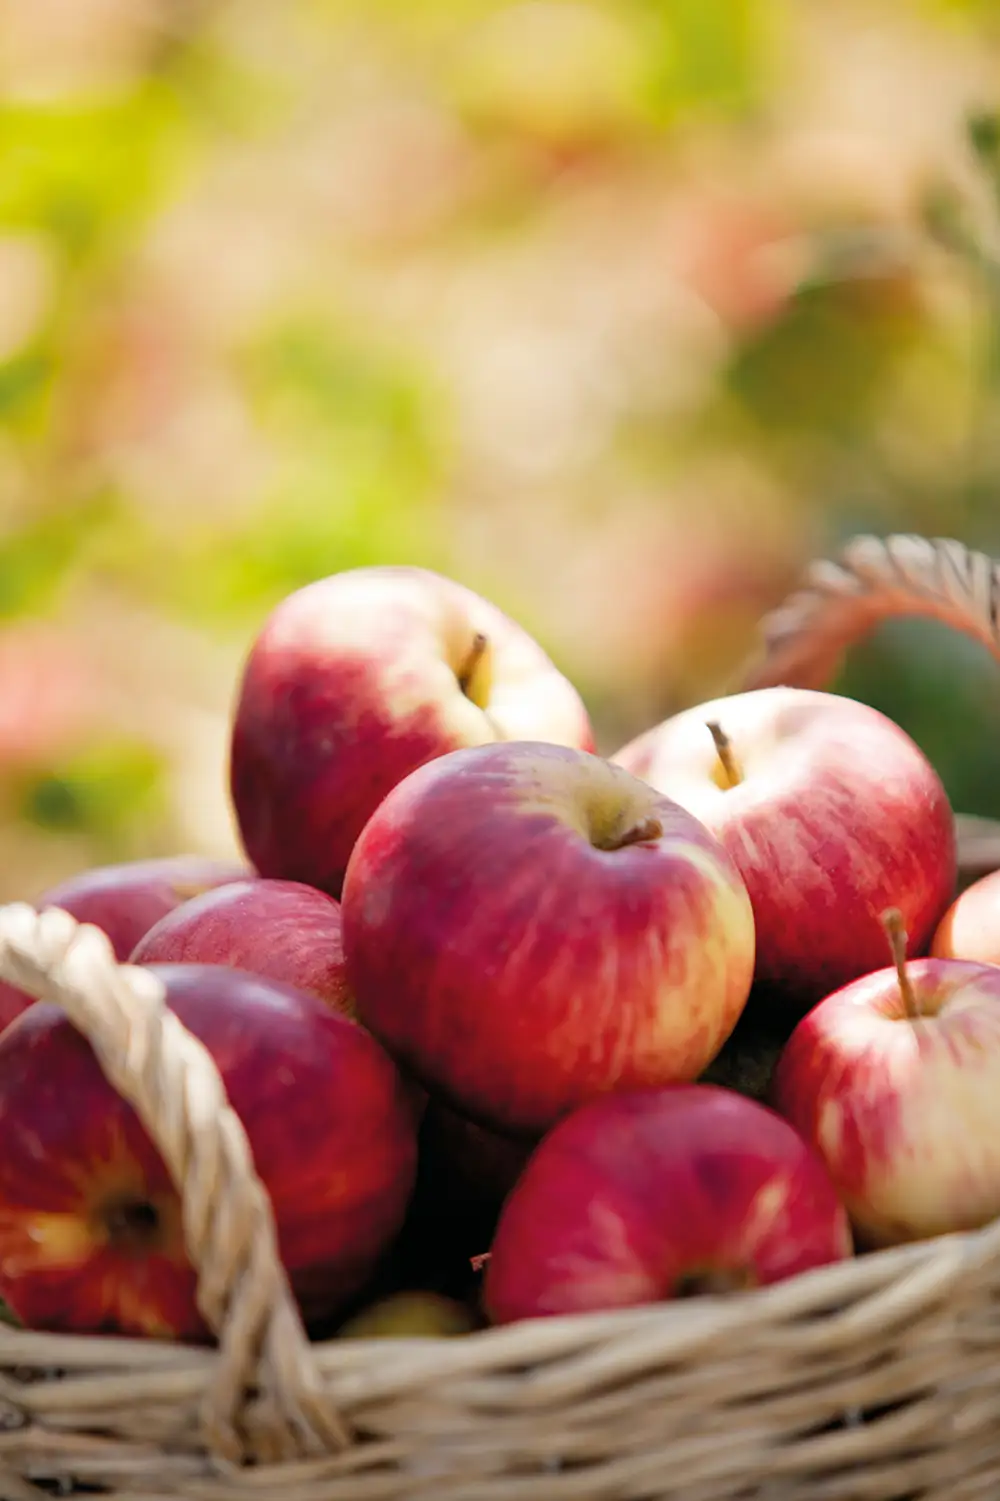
x,y
265,1372
875,579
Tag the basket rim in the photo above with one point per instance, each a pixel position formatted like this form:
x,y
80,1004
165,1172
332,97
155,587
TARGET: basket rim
x,y
836,1282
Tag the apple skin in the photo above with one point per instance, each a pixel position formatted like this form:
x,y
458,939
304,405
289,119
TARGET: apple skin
x,y
125,901
329,1126
410,1314
839,816
518,956
970,929
279,930
904,1114
646,1197
352,683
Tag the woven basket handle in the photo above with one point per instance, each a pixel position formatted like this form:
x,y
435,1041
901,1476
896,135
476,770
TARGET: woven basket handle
x,y
265,1400
876,579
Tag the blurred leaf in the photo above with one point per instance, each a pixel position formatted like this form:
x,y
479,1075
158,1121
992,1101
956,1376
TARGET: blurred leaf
x,y
100,792
942,689
822,364
25,382
78,169
568,71
709,53
983,129
36,558
945,217
559,71
359,461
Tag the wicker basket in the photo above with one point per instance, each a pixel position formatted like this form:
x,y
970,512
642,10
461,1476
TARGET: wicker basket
x,y
878,1378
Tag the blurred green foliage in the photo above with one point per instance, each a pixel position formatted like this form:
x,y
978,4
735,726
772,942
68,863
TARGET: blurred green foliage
x,y
280,254
99,792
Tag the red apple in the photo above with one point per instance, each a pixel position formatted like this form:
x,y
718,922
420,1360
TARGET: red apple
x,y
280,930
356,680
970,929
90,1227
124,901
527,926
894,1080
830,812
640,1198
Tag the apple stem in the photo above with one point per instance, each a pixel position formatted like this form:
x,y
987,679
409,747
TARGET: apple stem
x,y
642,832
892,922
726,754
477,651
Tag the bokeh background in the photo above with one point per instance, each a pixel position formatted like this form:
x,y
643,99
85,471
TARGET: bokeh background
x,y
619,312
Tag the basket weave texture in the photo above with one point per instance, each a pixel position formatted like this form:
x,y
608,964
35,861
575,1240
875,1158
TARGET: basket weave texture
x,y
874,1380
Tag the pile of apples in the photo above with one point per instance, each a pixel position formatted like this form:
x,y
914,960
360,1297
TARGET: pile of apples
x,y
516,1029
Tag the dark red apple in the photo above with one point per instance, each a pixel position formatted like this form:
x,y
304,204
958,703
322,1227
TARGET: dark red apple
x,y
90,1224
527,926
660,1194
479,1167
464,1174
280,930
357,679
124,901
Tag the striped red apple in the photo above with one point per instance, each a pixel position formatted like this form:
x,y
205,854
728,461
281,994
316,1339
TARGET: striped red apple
x,y
661,1194
358,679
893,1079
830,812
91,1238
527,927
126,900
279,930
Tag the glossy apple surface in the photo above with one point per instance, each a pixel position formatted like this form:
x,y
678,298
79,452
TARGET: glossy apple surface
x,y
90,1226
125,901
356,680
641,1198
280,930
836,815
526,927
903,1111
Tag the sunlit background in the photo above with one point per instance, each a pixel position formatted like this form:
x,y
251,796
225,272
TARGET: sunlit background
x,y
618,313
